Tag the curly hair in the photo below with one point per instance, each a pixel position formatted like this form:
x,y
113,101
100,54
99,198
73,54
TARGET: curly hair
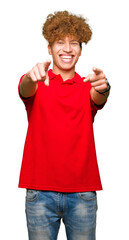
x,y
63,23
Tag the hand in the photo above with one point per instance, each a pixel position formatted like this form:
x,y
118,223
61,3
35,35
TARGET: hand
x,y
97,80
40,72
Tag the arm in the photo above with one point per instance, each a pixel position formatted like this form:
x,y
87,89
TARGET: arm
x,y
98,98
99,86
29,83
27,87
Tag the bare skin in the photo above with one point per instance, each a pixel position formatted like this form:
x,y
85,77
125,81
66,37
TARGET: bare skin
x,y
65,54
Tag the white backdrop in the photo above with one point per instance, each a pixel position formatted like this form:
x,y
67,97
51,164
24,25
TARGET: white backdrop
x,y
21,47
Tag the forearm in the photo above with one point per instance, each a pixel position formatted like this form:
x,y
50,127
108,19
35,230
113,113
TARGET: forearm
x,y
98,98
28,87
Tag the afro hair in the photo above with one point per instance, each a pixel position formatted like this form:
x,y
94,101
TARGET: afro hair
x,y
63,23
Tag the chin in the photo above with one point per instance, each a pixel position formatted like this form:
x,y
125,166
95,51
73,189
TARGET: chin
x,y
67,67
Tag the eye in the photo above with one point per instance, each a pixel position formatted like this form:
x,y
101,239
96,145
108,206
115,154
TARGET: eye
x,y
60,42
74,43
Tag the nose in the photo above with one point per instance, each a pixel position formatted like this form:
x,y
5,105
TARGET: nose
x,y
67,47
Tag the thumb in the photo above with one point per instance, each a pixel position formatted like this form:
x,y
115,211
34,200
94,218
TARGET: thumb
x,y
46,82
87,78
46,65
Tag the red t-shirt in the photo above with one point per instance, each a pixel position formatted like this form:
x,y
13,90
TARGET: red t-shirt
x,y
59,152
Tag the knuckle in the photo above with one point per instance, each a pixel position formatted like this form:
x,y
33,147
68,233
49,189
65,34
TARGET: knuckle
x,y
29,75
103,76
38,64
106,85
43,66
38,78
43,75
93,84
91,77
34,69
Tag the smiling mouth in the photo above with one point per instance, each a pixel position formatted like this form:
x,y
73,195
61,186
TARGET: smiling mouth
x,y
66,58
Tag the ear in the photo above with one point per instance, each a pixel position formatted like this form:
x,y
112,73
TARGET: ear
x,y
49,50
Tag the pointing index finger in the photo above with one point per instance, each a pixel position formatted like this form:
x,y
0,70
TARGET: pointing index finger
x,y
46,65
97,71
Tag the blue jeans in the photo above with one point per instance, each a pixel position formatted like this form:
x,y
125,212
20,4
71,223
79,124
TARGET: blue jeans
x,y
44,210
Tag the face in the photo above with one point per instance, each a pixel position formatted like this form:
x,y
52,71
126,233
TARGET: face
x,y
65,53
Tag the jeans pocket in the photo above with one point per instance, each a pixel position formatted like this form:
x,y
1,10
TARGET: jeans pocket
x,y
88,196
31,195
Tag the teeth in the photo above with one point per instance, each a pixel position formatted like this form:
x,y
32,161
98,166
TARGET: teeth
x,y
66,57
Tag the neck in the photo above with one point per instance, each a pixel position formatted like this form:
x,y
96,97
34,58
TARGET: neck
x,y
65,74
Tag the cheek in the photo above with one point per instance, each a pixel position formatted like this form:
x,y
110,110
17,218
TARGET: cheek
x,y
55,52
80,52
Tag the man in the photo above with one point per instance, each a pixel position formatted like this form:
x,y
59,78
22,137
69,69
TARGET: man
x,y
59,167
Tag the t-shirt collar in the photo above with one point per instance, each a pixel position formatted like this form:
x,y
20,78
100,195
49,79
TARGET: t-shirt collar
x,y
76,77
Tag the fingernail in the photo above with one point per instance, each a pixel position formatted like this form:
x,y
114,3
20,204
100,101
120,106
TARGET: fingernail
x,y
85,79
46,83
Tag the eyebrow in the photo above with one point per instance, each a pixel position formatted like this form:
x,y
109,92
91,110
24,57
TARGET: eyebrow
x,y
74,40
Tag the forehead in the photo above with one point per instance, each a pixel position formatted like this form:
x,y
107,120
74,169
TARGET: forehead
x,y
67,38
